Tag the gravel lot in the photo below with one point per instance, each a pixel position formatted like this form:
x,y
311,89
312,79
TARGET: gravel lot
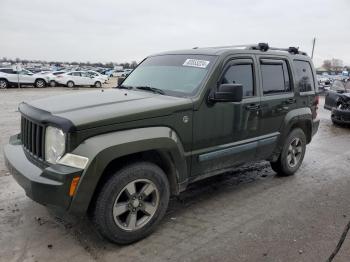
x,y
246,215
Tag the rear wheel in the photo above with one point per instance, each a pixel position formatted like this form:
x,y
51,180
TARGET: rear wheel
x,y
40,83
52,83
98,84
70,84
131,203
292,154
3,84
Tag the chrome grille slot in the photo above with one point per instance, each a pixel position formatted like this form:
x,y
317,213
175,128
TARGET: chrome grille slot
x,y
32,136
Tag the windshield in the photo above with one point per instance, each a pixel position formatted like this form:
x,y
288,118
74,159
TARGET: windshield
x,y
174,74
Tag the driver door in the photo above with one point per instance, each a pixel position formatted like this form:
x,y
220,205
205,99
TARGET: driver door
x,y
224,133
87,79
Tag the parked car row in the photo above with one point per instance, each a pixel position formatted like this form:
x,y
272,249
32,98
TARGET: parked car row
x,y
69,78
325,81
9,76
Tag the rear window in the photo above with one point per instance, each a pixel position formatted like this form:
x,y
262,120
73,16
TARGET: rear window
x,y
75,74
303,76
58,73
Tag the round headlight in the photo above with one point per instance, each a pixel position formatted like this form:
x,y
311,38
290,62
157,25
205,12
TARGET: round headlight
x,y
55,144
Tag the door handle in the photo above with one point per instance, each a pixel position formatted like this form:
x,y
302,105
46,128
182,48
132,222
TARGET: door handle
x,y
253,107
290,101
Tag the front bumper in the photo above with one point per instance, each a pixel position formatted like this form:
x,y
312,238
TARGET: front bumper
x,y
340,116
47,186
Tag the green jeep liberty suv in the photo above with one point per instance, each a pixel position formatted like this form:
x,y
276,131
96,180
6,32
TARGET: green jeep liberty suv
x,y
177,118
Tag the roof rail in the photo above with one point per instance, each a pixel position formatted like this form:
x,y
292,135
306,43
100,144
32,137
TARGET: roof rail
x,y
262,47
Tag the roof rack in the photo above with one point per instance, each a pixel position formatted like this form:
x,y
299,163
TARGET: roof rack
x,y
262,47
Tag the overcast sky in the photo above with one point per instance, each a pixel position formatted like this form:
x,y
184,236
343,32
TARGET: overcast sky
x,y
119,31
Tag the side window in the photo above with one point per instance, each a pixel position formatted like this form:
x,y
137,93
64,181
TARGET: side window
x,y
75,74
85,74
7,71
240,74
303,76
275,77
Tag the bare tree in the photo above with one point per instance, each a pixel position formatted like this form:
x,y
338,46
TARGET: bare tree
x,y
327,64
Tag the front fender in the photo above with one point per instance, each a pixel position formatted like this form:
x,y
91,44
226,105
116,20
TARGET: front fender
x,y
102,149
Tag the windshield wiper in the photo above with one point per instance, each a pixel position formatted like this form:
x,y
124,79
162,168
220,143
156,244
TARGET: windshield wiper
x,y
152,89
124,87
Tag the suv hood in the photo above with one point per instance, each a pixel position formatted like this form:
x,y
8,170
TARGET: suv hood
x,y
105,107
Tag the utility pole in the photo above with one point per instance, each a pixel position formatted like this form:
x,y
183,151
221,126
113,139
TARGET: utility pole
x,y
313,47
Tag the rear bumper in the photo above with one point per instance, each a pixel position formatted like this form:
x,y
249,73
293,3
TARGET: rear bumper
x,y
47,186
340,116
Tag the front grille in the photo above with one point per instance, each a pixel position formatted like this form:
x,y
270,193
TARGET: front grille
x,y
32,136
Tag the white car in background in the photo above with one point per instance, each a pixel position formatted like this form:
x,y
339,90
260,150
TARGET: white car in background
x,y
79,78
51,76
126,72
117,73
97,74
9,76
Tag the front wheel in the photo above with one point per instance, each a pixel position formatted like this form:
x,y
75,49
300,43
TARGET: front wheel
x,y
98,84
292,154
131,203
3,84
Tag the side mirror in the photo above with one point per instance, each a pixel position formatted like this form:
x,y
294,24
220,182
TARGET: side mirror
x,y
227,93
120,80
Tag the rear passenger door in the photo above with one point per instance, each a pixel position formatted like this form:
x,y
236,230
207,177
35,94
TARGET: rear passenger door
x,y
277,100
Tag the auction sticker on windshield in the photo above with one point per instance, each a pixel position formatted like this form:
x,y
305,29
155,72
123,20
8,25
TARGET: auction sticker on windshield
x,y
196,63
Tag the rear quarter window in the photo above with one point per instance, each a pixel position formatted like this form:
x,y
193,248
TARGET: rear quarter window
x,y
304,76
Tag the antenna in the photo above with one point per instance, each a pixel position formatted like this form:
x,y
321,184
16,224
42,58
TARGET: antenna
x,y
313,47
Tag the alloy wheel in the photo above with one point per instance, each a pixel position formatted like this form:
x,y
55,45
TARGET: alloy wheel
x,y
40,83
3,84
294,154
136,204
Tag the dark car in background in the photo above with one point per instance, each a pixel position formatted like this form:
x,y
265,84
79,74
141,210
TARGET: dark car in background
x,y
338,101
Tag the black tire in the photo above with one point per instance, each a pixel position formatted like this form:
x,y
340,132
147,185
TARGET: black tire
x,y
102,214
98,84
40,83
53,83
4,84
283,166
70,84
